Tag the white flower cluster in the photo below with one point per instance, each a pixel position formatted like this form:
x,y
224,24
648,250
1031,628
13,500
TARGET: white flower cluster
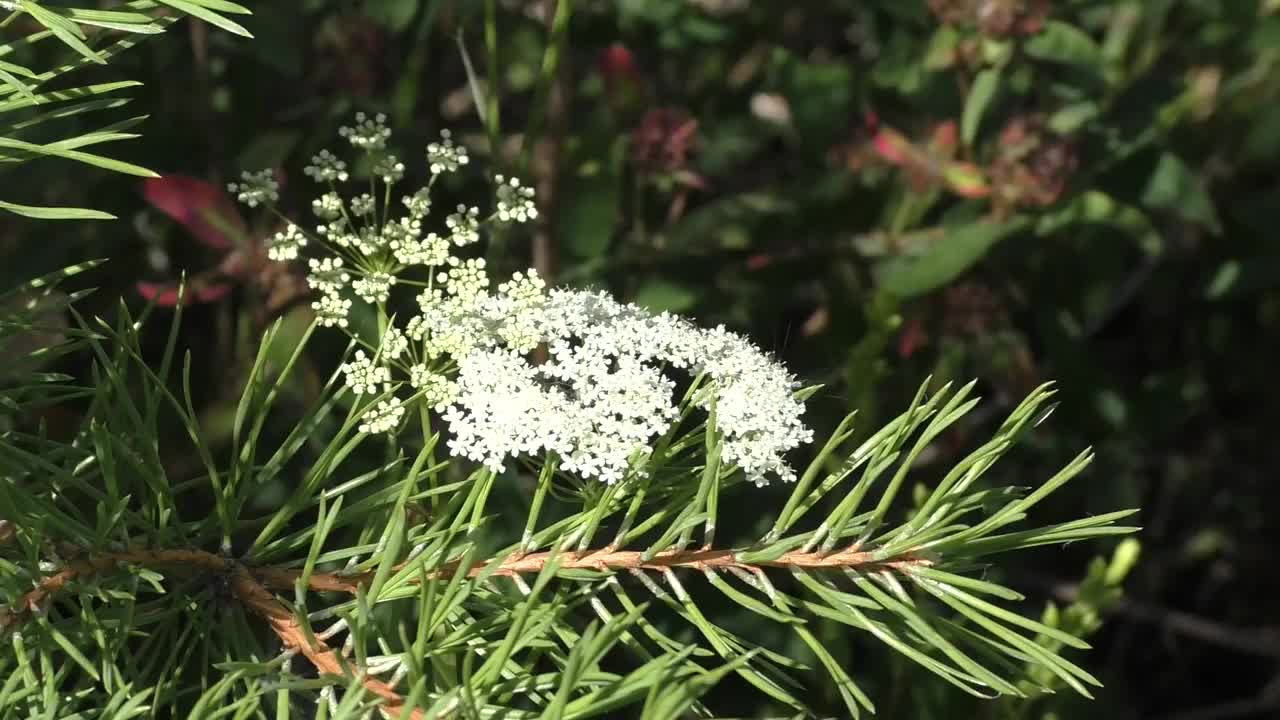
x,y
606,390
603,396
326,167
445,156
368,133
383,417
515,202
284,245
256,188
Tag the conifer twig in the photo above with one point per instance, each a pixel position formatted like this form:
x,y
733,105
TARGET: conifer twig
x,y
257,598
248,591
607,560
531,563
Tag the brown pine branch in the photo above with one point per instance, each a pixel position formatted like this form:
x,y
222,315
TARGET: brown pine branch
x,y
260,600
250,585
607,560
248,590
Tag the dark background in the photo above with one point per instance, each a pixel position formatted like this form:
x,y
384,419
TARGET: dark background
x,y
877,191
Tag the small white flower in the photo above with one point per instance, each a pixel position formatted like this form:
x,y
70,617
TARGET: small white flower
x,y
516,311
328,206
431,251
383,418
327,275
406,228
374,287
368,241
363,375
464,225
333,228
284,245
515,201
394,344
256,188
326,167
448,325
419,203
368,133
445,156
524,288
437,389
389,169
332,310
464,278
362,204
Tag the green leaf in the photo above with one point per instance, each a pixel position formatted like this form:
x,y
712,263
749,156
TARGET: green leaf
x,y
1069,119
55,213
984,90
589,216
78,93
12,81
65,111
956,252
1175,188
1097,208
26,148
661,295
1064,43
394,14
203,9
65,30
112,19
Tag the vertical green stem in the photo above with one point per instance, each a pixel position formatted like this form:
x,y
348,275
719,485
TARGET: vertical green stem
x,y
424,415
493,123
540,494
557,43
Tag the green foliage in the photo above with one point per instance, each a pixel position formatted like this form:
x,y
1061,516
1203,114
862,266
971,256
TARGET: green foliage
x,y
403,556
30,108
1103,216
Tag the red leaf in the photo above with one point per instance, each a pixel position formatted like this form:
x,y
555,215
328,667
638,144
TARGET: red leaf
x,y
201,207
945,137
166,294
912,338
212,292
892,146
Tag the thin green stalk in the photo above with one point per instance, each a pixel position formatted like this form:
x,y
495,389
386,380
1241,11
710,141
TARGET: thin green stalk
x,y
557,44
492,119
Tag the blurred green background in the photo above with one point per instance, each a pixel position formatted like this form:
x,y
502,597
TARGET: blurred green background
x,y
875,190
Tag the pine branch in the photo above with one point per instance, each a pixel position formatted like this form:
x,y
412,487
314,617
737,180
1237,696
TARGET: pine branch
x,y
862,543
248,590
609,560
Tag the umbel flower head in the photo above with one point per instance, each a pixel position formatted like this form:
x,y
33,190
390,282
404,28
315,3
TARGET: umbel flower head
x,y
606,391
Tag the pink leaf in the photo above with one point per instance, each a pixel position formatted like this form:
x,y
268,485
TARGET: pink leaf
x,y
892,146
912,338
166,294
201,207
945,137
